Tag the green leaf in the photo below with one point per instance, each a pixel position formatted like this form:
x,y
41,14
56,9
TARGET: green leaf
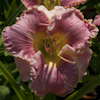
x,y
10,9
88,4
12,81
89,78
36,97
1,44
1,22
6,3
12,18
84,90
30,94
4,93
14,97
49,96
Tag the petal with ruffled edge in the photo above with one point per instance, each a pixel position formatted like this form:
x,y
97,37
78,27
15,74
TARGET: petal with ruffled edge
x,y
71,27
82,60
71,3
60,78
97,20
19,38
30,3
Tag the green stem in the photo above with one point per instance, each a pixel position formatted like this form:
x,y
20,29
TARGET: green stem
x,y
84,90
12,82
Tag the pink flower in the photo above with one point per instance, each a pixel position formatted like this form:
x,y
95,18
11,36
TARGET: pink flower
x,y
71,3
65,3
50,47
97,20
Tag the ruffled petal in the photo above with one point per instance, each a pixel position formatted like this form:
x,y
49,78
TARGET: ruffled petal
x,y
19,38
82,60
71,3
97,20
23,67
60,78
30,3
51,14
72,28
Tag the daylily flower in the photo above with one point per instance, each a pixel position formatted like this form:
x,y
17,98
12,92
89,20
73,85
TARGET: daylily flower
x,y
97,20
65,3
51,47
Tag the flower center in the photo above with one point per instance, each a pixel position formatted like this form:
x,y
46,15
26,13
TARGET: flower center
x,y
51,45
50,49
48,45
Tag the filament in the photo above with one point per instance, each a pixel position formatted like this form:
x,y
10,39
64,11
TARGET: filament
x,y
66,60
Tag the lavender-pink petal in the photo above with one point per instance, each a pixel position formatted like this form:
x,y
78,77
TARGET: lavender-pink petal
x,y
97,20
74,29
82,60
30,3
19,38
71,3
60,78
23,67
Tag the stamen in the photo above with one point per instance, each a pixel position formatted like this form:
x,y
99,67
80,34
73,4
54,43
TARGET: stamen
x,y
50,51
66,60
47,49
52,40
57,44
